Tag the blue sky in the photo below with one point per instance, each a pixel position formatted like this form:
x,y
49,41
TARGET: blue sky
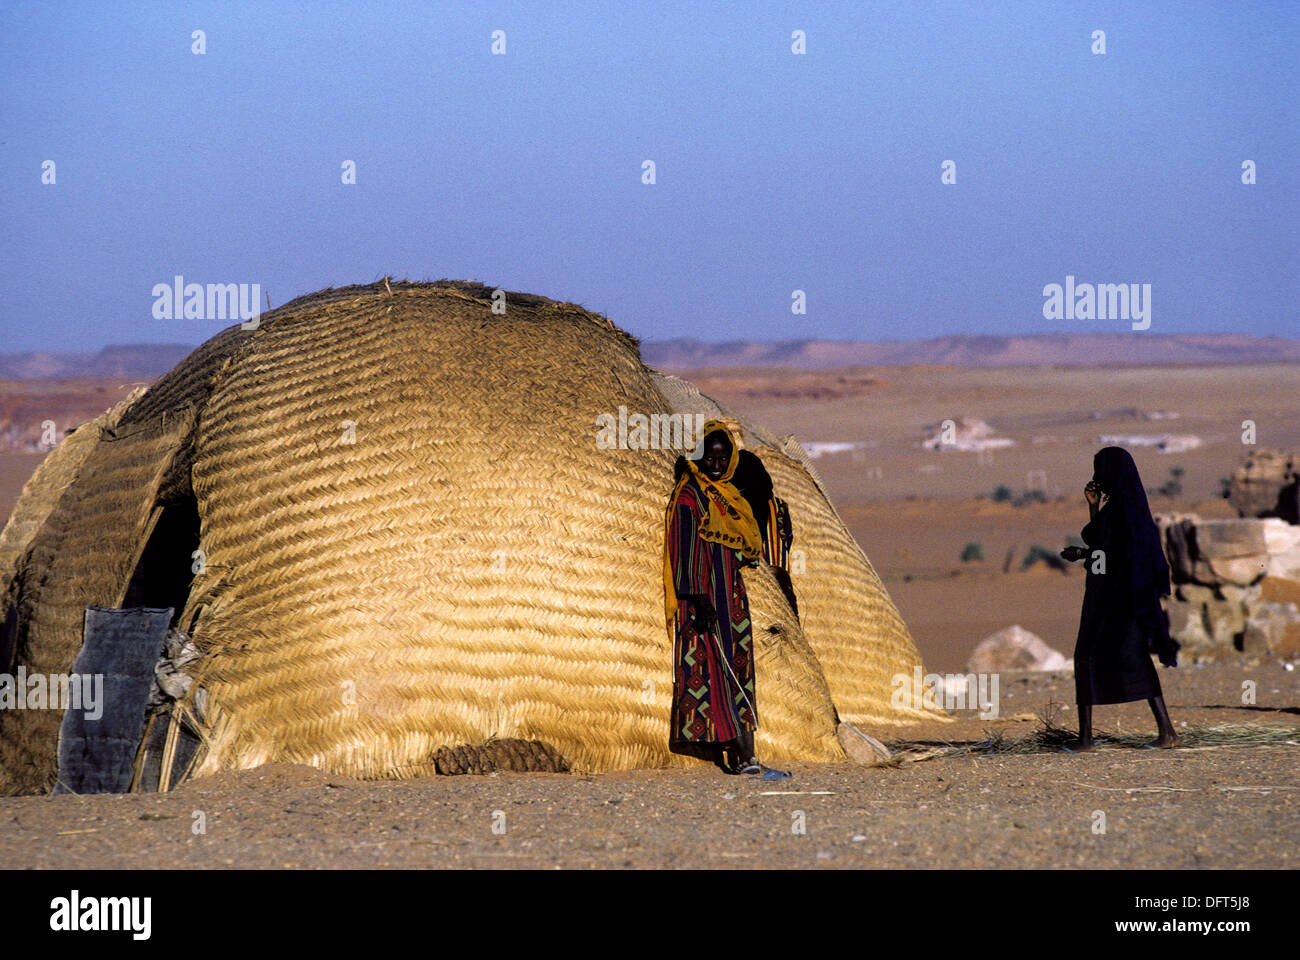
x,y
775,172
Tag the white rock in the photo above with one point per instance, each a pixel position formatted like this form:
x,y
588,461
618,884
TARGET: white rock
x,y
861,747
1015,648
1280,536
818,449
1163,442
1285,565
969,435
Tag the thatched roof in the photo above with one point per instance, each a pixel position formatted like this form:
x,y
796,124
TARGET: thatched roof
x,y
471,567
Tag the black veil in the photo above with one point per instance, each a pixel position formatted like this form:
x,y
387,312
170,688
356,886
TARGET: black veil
x,y
1147,568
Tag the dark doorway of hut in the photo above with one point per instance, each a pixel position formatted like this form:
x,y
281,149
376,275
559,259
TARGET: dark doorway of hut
x,y
163,577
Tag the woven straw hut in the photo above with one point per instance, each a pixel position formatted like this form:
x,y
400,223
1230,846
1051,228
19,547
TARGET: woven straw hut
x,y
383,520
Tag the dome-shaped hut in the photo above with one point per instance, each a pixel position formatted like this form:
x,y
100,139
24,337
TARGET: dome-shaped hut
x,y
386,526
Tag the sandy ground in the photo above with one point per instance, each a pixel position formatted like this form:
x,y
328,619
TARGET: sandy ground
x,y
1226,807
913,511
1056,417
27,405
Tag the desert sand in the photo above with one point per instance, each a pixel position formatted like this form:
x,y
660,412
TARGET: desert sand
x,y
1228,807
913,511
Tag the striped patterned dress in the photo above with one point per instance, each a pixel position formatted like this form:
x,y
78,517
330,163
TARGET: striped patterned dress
x,y
708,706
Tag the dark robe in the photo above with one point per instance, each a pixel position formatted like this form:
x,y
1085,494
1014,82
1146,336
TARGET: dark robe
x,y
1122,622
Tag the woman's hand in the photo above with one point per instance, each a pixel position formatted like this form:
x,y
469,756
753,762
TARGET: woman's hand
x,y
1092,493
703,616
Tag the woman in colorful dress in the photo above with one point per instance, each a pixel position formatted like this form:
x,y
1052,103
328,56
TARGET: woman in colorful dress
x,y
710,533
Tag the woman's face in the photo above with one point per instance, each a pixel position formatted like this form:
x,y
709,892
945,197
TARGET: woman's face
x,y
1102,485
717,454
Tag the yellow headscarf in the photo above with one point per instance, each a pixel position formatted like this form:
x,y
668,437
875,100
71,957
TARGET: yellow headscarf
x,y
729,521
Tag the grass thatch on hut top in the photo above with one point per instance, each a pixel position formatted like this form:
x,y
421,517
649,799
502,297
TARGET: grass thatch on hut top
x,y
412,542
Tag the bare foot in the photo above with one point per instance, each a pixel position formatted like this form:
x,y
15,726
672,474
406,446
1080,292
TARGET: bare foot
x,y
1165,740
1081,746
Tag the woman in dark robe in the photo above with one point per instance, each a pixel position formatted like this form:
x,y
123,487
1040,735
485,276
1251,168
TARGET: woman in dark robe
x,y
710,533
773,516
1122,622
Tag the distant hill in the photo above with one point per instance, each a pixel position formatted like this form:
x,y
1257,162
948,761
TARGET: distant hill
x,y
1048,349
138,361
148,361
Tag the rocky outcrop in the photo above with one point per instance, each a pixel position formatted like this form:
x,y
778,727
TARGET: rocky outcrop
x,y
1266,484
1236,586
1217,551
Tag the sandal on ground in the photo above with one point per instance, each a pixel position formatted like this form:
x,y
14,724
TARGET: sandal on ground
x,y
749,767
753,768
730,762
